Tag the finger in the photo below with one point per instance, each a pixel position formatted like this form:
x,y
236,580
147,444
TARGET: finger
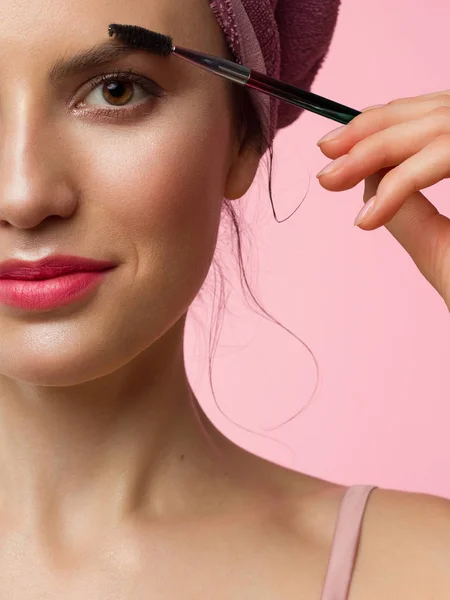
x,y
425,235
424,169
378,119
409,99
420,229
429,96
372,107
387,148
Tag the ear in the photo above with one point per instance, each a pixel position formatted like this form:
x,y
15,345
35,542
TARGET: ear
x,y
243,168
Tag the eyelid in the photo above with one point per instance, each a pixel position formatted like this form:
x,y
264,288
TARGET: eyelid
x,y
117,74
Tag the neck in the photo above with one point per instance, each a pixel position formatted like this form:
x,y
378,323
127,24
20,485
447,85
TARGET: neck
x,y
129,442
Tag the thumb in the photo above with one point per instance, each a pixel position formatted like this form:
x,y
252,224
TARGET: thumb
x,y
422,232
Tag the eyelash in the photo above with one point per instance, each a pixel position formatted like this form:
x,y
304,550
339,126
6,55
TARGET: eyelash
x,y
129,76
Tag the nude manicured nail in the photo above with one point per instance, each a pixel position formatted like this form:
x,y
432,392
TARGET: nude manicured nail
x,y
333,134
365,211
333,166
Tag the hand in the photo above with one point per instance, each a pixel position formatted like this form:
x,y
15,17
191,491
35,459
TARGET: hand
x,y
399,149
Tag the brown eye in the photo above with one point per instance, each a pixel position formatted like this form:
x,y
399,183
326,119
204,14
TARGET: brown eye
x,y
118,93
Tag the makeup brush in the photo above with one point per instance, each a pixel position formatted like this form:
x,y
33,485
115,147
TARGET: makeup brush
x,y
162,45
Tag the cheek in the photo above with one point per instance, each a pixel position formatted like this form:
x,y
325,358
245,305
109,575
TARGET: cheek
x,y
160,188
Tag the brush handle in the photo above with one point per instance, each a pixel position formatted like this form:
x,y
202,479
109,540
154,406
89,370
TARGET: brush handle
x,y
268,85
307,100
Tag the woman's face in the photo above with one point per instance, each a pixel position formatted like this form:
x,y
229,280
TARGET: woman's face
x,y
131,171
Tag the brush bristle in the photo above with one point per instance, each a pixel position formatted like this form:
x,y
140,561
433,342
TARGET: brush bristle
x,y
139,37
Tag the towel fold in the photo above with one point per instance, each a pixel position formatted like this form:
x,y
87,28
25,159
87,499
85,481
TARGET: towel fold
x,y
286,39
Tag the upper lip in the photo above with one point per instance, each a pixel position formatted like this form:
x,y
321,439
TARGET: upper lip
x,y
50,267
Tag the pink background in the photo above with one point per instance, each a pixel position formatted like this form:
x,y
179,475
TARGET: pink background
x,y
379,332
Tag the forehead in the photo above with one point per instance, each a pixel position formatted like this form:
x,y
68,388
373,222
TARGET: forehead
x,y
35,29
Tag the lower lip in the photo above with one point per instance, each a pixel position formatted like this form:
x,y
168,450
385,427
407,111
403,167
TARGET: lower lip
x,y
48,293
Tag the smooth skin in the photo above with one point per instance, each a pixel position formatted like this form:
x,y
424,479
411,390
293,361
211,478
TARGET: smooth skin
x,y
112,484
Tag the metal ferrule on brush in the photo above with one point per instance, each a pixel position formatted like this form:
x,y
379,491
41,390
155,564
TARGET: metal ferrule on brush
x,y
221,66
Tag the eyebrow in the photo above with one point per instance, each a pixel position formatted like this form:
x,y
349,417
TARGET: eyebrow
x,y
99,55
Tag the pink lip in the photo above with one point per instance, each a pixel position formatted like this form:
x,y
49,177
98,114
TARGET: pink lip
x,y
49,283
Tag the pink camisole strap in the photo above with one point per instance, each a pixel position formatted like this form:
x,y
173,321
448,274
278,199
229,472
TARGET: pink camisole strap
x,y
345,544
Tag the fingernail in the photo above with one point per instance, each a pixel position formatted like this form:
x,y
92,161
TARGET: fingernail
x,y
363,214
333,134
373,106
333,166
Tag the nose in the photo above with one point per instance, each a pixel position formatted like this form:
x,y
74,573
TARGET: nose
x,y
34,180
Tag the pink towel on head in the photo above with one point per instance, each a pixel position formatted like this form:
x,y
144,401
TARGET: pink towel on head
x,y
286,39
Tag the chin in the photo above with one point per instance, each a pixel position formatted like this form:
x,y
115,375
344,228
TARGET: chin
x,y
55,371
51,363
91,345
67,356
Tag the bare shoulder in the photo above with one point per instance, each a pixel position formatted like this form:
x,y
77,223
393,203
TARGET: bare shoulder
x,y
404,551
405,548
